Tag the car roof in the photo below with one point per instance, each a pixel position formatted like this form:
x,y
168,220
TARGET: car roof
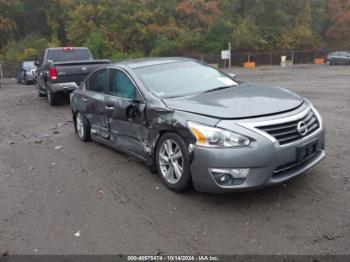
x,y
60,48
144,62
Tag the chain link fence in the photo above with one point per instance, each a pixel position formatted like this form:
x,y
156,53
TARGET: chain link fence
x,y
266,58
8,70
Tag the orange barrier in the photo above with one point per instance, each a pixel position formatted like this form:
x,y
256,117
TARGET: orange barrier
x,y
319,61
249,65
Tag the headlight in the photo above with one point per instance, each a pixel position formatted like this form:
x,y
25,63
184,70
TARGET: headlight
x,y
216,137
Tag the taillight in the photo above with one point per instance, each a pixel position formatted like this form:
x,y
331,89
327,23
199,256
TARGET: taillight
x,y
53,73
67,49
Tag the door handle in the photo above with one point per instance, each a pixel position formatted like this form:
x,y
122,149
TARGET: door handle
x,y
84,99
109,107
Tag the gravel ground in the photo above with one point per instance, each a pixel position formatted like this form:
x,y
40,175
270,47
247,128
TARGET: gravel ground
x,y
62,196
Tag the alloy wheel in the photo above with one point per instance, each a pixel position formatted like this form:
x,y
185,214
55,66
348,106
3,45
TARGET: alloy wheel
x,y
80,126
171,161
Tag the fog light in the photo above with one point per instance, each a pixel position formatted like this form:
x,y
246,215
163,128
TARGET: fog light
x,y
234,172
224,178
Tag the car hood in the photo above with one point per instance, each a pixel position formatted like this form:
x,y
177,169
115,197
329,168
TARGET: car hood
x,y
242,101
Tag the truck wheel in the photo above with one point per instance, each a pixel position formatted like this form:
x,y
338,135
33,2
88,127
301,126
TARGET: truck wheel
x,y
82,127
40,93
52,98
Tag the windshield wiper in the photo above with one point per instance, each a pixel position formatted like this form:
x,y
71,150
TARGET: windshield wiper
x,y
207,91
217,88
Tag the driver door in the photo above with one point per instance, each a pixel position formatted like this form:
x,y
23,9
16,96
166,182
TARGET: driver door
x,y
125,109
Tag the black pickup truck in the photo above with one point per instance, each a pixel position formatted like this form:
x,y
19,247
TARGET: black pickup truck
x,y
60,71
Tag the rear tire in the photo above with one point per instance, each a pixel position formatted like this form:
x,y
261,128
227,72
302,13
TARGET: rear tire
x,y
40,94
173,161
52,98
82,127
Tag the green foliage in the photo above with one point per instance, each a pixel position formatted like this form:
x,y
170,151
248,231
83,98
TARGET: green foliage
x,y
123,29
98,45
118,55
165,47
217,36
245,36
30,47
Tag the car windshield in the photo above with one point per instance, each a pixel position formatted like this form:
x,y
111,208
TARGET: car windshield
x,y
182,79
29,64
61,55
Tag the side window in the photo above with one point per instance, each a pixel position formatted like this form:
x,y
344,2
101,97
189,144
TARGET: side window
x,y
121,85
98,81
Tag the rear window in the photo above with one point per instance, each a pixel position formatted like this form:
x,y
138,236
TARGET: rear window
x,y
28,64
60,55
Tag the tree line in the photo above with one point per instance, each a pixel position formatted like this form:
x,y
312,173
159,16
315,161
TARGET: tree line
x,y
121,29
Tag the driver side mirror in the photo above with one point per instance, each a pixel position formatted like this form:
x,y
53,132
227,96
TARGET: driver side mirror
x,y
36,63
133,109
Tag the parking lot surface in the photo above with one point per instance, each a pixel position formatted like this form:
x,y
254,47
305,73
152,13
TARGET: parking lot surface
x,y
59,195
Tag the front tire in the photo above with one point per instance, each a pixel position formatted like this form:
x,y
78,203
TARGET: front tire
x,y
82,127
172,161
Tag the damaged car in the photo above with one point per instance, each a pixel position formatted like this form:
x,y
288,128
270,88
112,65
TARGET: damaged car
x,y
197,126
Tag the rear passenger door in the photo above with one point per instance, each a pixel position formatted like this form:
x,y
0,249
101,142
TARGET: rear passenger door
x,y
125,108
93,99
341,57
338,58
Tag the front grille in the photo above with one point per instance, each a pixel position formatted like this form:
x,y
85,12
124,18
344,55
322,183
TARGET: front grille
x,y
287,132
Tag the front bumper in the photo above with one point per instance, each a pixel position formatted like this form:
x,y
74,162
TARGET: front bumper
x,y
268,165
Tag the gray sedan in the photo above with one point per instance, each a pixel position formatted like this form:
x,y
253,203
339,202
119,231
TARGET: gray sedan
x,y
197,126
338,57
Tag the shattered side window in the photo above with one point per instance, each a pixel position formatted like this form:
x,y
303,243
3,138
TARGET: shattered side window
x,y
98,81
121,85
